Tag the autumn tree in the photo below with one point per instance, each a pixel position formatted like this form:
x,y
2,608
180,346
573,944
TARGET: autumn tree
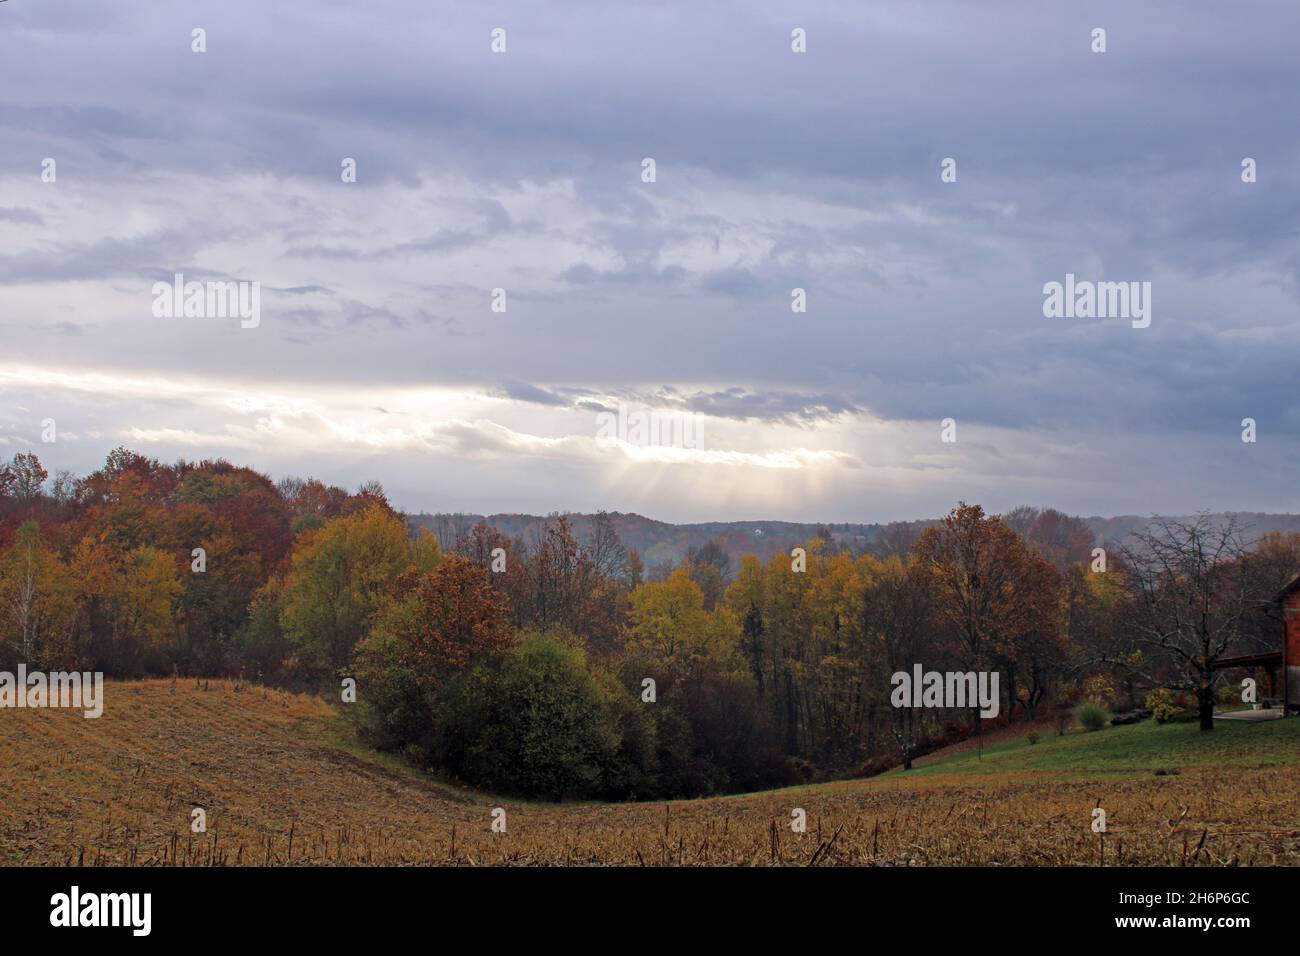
x,y
447,620
972,562
712,735
37,598
898,618
505,565
311,503
430,632
670,633
28,477
1063,540
243,501
126,562
986,589
218,585
634,569
338,578
709,567
1095,607
565,589
745,598
1037,653
833,673
786,617
130,598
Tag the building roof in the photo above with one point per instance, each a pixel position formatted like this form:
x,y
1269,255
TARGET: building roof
x,y
1291,586
1249,660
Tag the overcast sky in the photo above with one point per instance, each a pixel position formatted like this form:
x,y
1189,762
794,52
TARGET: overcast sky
x,y
378,354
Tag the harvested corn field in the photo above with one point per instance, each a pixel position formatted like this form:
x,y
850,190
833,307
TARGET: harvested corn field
x,y
279,784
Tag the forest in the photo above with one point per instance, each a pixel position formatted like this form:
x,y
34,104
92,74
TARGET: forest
x,y
559,666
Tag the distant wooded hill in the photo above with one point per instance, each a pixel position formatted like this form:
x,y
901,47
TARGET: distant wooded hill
x,y
660,541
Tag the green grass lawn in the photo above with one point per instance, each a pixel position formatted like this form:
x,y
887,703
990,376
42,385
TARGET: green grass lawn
x,y
1143,747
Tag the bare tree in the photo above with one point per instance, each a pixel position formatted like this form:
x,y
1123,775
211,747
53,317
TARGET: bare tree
x,y
897,539
451,529
1021,518
607,551
22,604
65,487
1192,596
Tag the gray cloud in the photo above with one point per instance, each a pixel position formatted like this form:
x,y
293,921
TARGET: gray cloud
x,y
775,170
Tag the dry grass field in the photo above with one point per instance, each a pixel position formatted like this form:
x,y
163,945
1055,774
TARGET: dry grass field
x,y
281,786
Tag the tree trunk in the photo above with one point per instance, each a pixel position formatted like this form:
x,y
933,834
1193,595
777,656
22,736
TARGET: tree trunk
x,y
1205,704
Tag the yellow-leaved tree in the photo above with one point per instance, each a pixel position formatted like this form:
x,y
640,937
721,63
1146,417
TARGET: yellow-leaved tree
x,y
340,574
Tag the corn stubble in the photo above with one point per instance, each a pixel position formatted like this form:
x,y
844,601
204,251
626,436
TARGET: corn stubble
x,y
278,792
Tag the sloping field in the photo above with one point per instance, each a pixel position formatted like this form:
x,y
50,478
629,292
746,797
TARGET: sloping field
x,y
280,785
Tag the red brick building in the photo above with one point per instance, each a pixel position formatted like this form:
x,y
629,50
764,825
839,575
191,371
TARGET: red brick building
x,y
1282,667
1288,601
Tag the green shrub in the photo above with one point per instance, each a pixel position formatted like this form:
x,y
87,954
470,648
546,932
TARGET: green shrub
x,y
1091,715
545,727
1032,737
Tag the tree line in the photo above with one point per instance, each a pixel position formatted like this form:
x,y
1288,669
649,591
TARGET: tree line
x,y
558,666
